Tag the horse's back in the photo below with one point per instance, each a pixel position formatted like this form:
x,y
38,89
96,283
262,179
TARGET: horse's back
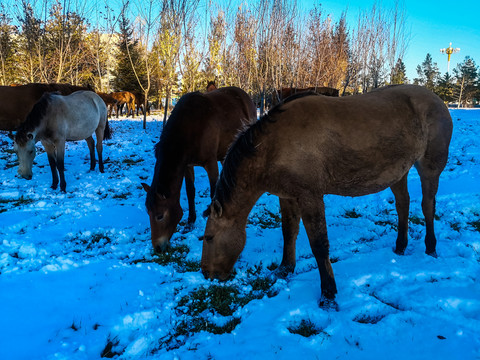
x,y
363,143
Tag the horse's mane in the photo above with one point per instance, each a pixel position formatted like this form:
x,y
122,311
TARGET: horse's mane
x,y
161,148
34,118
244,147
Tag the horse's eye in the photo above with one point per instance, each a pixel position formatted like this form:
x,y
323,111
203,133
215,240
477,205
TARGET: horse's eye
x,y
159,218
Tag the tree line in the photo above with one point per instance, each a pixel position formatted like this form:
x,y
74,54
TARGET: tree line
x,y
165,48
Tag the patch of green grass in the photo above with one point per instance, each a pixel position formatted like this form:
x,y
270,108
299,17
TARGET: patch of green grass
x,y
305,328
352,214
455,226
416,220
123,196
475,224
111,349
198,324
129,161
384,223
6,204
174,255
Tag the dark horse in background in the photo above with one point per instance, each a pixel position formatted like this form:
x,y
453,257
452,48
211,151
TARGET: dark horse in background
x,y
283,93
198,133
316,145
17,101
124,98
55,119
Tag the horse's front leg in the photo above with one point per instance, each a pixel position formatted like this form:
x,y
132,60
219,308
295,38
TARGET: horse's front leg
x,y
91,148
52,161
290,225
60,164
190,187
212,171
313,215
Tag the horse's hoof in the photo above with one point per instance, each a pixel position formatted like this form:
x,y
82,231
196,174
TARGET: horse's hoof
x,y
432,254
283,271
328,304
399,252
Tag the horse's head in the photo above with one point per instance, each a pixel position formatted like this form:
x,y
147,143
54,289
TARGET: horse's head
x,y
223,242
24,146
165,213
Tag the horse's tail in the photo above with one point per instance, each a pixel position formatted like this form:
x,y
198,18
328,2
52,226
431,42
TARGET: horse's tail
x,y
107,133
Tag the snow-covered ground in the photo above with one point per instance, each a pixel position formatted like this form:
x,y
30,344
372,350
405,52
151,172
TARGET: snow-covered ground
x,y
78,279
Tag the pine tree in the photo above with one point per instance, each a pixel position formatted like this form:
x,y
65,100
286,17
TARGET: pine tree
x,y
467,75
446,88
428,73
129,60
398,74
6,48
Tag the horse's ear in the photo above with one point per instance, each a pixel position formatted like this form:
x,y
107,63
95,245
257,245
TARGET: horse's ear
x,y
146,187
217,207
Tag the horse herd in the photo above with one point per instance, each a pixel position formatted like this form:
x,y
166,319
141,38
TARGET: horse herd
x,y
306,146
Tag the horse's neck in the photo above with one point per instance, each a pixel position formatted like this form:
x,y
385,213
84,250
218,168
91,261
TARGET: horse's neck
x,y
170,175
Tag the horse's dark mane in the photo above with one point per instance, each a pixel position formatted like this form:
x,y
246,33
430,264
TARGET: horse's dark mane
x,y
34,118
166,138
245,147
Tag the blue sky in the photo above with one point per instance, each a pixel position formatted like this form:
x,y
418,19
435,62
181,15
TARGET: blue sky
x,y
432,25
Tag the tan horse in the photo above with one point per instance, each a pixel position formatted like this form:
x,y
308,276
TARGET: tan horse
x,y
198,132
316,145
55,119
17,101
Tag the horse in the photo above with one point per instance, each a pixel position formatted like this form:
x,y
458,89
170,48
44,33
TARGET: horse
x,y
316,145
17,101
283,93
140,102
124,98
197,133
109,100
55,119
211,86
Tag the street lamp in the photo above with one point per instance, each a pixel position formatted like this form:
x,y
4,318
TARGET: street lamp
x,y
449,51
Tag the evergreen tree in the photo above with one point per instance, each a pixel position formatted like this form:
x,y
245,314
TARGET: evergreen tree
x,y
428,73
446,88
398,74
467,75
129,60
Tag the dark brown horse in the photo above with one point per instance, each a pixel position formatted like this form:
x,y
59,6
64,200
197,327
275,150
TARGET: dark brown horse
x,y
109,100
283,93
140,102
124,98
198,132
316,145
17,101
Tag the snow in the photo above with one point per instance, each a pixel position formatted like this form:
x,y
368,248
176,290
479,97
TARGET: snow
x,y
78,277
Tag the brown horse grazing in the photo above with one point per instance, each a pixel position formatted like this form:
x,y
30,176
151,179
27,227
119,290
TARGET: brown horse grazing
x,y
198,132
109,100
124,98
17,101
316,145
283,93
55,119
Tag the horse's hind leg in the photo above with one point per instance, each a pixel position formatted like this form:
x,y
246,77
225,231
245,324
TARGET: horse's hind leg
x,y
429,176
290,225
99,134
402,204
91,148
190,187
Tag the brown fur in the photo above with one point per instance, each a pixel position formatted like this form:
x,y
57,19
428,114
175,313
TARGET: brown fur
x,y
124,98
211,86
283,93
17,101
140,102
109,100
198,132
317,145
